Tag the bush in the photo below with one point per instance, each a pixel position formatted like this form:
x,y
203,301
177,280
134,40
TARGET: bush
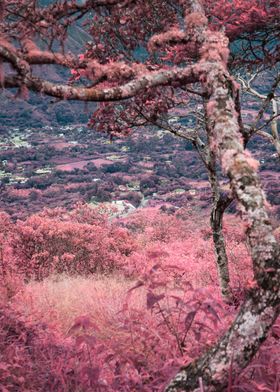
x,y
78,242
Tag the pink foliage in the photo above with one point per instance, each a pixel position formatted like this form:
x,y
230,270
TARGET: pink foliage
x,y
164,317
81,241
240,15
142,356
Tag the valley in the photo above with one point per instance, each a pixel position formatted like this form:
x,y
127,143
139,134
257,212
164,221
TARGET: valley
x,y
52,167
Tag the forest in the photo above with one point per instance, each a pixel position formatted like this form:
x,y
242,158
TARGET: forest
x,y
139,195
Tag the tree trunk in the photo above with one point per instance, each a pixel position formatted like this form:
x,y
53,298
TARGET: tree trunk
x,y
255,318
220,203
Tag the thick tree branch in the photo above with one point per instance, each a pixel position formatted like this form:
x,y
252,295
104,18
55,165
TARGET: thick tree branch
x,y
20,65
150,79
125,91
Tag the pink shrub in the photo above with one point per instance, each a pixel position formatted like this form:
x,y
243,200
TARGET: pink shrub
x,y
186,244
79,242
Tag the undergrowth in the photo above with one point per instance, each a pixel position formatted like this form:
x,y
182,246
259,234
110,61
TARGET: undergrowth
x,y
142,302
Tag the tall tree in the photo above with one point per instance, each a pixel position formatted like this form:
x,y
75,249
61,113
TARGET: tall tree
x,y
153,54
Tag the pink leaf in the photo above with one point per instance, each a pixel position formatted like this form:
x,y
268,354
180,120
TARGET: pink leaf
x,y
152,299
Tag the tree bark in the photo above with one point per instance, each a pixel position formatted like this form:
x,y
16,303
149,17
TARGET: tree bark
x,y
220,203
259,311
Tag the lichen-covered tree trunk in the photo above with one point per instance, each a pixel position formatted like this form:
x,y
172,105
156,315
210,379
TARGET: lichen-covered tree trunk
x,y
261,307
220,201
